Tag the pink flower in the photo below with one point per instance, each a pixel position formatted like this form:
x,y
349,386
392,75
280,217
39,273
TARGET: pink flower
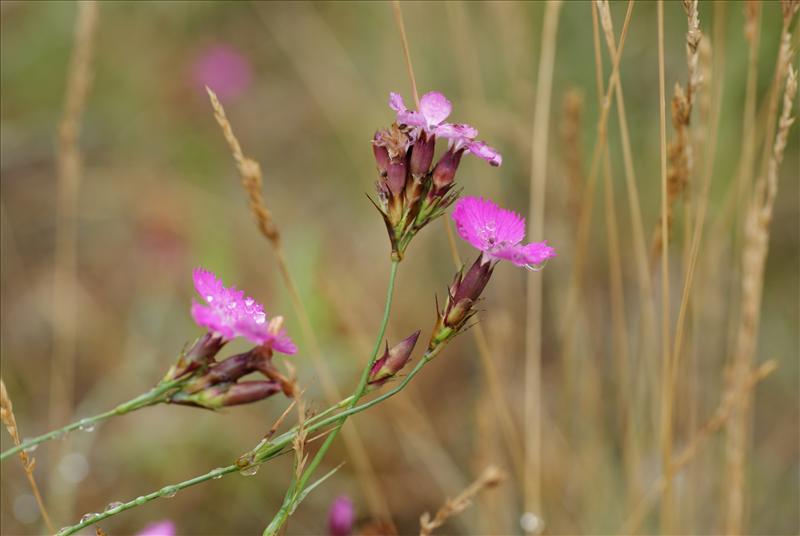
x,y
498,233
341,517
224,70
161,528
229,314
434,108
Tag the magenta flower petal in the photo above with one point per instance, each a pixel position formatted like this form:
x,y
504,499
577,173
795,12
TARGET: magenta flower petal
x,y
412,119
228,313
486,226
456,131
497,233
435,107
261,334
528,255
481,150
396,102
161,528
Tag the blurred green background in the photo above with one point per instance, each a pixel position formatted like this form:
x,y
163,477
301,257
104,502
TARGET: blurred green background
x,y
305,86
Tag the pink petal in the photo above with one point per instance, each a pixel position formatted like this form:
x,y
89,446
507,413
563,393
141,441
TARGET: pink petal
x,y
284,344
412,119
258,333
456,131
486,226
481,150
162,528
206,283
529,255
435,107
396,102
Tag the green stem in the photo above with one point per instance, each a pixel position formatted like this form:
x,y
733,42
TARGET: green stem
x,y
273,450
154,396
295,490
166,491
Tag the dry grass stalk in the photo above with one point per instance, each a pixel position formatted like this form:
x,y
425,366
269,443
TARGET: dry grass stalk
x,y
678,170
569,322
251,178
491,477
299,443
647,334
616,286
398,18
532,501
667,394
754,257
789,9
732,399
28,463
571,123
79,77
250,174
634,206
681,158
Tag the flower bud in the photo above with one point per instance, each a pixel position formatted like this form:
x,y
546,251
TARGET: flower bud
x,y
246,392
465,291
396,177
393,360
422,154
445,170
201,353
226,371
227,394
381,157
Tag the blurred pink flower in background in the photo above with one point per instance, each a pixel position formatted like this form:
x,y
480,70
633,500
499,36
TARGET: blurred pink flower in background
x,y
160,528
341,516
223,69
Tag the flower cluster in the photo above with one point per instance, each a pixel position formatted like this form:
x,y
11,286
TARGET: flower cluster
x,y
411,190
227,314
497,233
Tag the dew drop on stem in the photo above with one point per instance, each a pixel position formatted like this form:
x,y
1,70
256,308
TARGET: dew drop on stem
x,y
88,517
168,492
249,470
114,506
140,500
86,425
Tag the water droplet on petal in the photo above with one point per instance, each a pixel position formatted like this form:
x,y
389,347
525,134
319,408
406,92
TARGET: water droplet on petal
x,y
168,492
209,298
114,506
260,318
250,470
232,305
536,267
87,517
87,425
249,302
